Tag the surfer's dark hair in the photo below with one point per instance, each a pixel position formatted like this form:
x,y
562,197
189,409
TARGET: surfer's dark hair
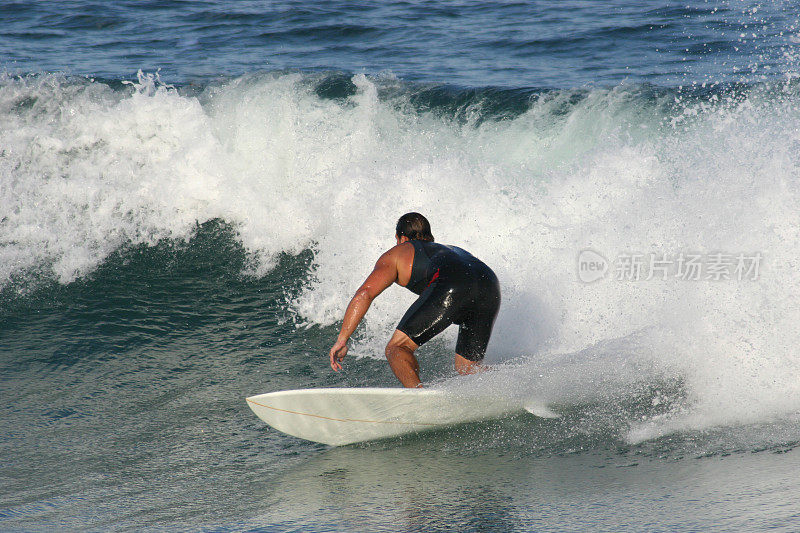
x,y
415,227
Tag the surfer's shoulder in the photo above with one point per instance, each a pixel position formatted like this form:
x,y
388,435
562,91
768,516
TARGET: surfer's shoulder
x,y
401,249
393,254
398,254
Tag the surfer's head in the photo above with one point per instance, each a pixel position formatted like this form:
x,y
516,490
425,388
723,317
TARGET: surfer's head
x,y
415,227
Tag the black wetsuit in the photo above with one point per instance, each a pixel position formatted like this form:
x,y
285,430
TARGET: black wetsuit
x,y
455,288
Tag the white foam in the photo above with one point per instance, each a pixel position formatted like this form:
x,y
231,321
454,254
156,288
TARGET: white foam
x,y
86,169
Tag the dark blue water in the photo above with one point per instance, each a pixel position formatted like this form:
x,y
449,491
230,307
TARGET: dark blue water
x,y
511,44
190,192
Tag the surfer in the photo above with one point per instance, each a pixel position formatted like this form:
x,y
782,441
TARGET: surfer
x,y
454,287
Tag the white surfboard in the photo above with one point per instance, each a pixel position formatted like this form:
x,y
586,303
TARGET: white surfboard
x,y
346,416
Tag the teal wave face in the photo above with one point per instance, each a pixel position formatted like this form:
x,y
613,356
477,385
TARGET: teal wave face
x,y
142,295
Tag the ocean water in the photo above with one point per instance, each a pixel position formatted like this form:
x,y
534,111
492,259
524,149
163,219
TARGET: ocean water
x,y
190,192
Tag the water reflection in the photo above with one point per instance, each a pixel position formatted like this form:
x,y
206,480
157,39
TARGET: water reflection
x,y
403,489
434,485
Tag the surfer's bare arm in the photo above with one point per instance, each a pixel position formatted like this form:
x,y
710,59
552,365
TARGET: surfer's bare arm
x,y
382,276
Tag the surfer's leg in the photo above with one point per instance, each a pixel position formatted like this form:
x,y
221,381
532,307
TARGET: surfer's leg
x,y
400,354
475,327
473,338
433,311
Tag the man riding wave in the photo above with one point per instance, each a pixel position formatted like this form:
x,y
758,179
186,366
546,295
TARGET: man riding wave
x,y
454,287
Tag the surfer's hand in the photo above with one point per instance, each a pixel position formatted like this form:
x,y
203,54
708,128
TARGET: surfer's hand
x,y
338,352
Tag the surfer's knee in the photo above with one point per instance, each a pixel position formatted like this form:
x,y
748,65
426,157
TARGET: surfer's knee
x,y
402,341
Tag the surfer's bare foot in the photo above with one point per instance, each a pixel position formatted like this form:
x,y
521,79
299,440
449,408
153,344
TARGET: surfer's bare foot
x,y
464,366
